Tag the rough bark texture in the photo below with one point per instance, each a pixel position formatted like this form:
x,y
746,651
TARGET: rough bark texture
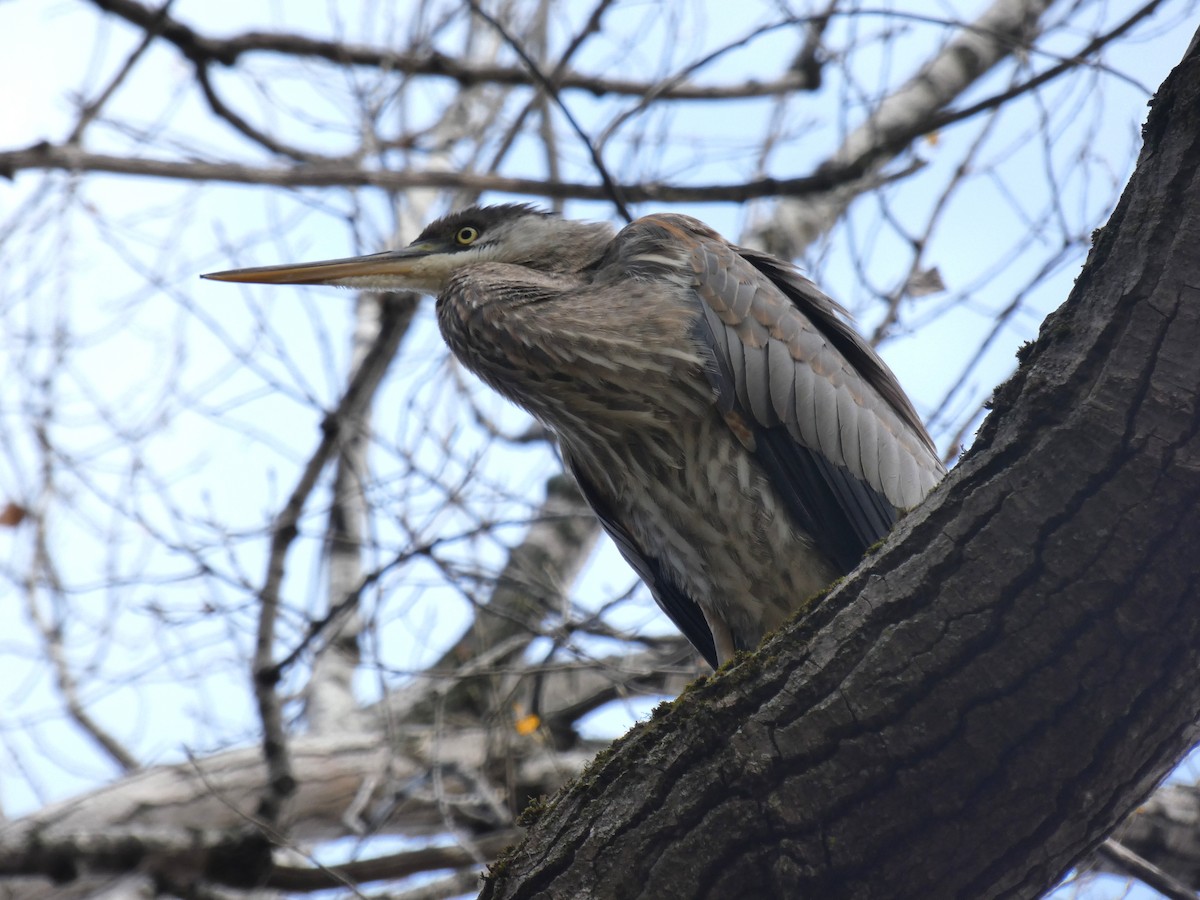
x,y
994,691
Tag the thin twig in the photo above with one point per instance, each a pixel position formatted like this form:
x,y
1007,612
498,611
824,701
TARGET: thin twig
x,y
613,191
1145,871
91,109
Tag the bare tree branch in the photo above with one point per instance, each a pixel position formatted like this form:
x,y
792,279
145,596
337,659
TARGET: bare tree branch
x,y
395,315
468,73
900,118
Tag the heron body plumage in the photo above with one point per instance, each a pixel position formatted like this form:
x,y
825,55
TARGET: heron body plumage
x,y
739,441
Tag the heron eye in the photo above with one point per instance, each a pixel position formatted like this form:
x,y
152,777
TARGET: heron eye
x,y
467,235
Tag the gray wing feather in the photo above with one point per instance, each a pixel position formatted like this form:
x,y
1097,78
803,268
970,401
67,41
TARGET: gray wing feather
x,y
910,477
850,423
804,425
781,369
825,408
758,385
737,367
740,292
889,467
868,450
720,371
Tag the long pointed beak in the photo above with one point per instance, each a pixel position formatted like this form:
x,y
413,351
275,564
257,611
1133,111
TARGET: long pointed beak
x,y
391,269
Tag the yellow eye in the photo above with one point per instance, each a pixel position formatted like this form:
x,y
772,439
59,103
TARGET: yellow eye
x,y
467,235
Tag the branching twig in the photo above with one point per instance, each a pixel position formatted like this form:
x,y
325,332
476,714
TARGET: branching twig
x,y
1145,871
545,82
280,783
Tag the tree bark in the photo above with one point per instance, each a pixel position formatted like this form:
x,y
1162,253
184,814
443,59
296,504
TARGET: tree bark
x,y
989,695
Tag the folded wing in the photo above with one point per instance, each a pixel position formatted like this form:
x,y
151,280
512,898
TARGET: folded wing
x,y
828,421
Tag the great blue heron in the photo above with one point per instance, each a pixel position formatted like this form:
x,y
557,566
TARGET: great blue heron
x,y
739,441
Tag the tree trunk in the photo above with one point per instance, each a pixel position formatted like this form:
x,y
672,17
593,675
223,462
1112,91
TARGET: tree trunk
x,y
994,690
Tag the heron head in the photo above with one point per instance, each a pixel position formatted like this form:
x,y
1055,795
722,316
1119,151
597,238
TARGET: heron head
x,y
512,233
